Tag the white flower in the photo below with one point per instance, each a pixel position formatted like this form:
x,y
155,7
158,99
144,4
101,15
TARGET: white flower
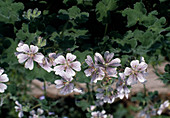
x,y
67,65
98,114
37,114
66,85
19,109
122,87
162,107
94,71
108,63
136,72
28,54
47,63
3,78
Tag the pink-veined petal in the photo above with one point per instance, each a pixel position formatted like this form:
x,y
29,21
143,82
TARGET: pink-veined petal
x,y
88,72
22,57
46,67
142,66
134,64
115,62
29,64
59,69
99,58
128,71
131,80
70,71
141,78
67,89
70,57
89,61
60,60
4,78
111,72
24,48
2,87
76,65
38,57
59,83
33,49
52,55
108,56
66,76
122,76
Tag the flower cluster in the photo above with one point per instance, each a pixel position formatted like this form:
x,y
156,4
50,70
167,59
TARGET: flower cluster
x,y
102,67
64,67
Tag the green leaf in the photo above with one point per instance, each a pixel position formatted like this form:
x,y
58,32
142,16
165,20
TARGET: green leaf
x,y
9,11
167,68
25,35
134,15
83,104
73,13
104,7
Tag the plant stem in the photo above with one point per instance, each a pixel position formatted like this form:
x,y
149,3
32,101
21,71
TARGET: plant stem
x,y
106,27
36,106
144,89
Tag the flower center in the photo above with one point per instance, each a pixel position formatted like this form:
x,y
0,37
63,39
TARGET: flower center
x,y
31,55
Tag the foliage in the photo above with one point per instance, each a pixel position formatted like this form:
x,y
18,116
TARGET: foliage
x,y
130,29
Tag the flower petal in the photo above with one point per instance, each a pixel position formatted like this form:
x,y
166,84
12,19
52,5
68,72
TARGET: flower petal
x,y
70,57
46,67
4,78
20,114
99,95
122,76
121,95
2,87
128,71
88,72
77,90
29,64
60,60
108,56
59,83
66,76
59,69
33,49
115,62
70,71
134,64
142,66
131,80
38,57
141,78
22,57
67,89
76,65
111,72
1,71
23,48
89,61
99,58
